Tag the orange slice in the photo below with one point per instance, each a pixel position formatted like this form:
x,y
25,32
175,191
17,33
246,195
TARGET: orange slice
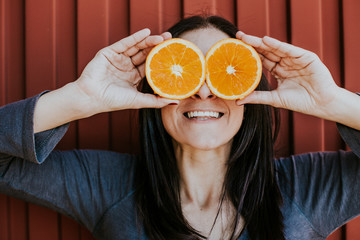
x,y
233,69
175,69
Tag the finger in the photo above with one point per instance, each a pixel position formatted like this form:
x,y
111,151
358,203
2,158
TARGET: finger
x,y
130,41
140,52
283,49
152,101
259,45
166,35
140,57
258,97
268,64
239,34
279,70
269,55
267,45
253,41
305,60
141,70
146,43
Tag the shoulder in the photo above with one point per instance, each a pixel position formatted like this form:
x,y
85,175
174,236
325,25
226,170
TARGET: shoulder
x,y
108,161
106,169
99,158
315,162
298,175
309,178
104,157
313,185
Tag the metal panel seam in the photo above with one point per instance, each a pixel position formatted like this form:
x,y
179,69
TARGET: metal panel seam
x,y
3,53
54,47
288,21
182,8
341,43
107,23
267,17
107,33
8,216
322,122
235,14
76,36
160,15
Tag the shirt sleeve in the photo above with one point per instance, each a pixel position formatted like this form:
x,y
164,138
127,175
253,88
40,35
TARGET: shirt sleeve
x,y
325,186
17,138
81,184
351,136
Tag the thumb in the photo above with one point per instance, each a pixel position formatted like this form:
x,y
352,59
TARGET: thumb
x,y
258,97
152,101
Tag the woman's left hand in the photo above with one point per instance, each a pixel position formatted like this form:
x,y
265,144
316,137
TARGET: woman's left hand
x,y
304,82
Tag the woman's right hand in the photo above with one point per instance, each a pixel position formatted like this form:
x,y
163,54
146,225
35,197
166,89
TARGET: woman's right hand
x,y
108,83
110,80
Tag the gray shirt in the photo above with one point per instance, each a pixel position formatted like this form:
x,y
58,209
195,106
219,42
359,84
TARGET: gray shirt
x,y
321,191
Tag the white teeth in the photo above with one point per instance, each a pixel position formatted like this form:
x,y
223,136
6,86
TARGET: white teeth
x,y
203,115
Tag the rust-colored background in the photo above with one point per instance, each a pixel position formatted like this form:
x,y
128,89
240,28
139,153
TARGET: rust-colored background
x,y
45,44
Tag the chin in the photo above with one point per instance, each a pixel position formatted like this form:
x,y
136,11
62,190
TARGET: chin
x,y
205,143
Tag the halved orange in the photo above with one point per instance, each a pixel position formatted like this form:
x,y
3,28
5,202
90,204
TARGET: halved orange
x,y
233,69
175,69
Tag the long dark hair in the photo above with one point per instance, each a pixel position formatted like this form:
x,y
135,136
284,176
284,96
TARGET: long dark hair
x,y
250,181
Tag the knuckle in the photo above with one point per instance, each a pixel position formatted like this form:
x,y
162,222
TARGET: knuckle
x,y
144,52
157,103
103,52
312,56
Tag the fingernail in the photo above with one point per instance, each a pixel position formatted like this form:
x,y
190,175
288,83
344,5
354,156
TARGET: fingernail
x,y
173,103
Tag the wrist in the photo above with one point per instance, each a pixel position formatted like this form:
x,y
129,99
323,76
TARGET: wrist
x,y
76,102
84,104
61,106
344,108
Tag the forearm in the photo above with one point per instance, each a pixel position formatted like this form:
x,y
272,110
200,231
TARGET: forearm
x,y
344,109
61,106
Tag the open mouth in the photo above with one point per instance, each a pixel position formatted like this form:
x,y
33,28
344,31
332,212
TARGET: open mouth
x,y
203,115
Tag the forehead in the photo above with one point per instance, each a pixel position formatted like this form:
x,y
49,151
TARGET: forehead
x,y
204,38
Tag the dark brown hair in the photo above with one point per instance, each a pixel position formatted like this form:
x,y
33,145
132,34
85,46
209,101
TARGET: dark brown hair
x,y
250,181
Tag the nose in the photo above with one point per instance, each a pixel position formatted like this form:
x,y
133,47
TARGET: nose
x,y
204,93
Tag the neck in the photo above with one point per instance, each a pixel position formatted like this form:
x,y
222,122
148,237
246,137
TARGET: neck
x,y
202,174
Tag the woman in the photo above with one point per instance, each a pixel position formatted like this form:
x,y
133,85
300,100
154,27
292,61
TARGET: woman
x,y
196,178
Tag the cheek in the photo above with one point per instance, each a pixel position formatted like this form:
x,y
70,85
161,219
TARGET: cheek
x,y
169,118
236,117
234,121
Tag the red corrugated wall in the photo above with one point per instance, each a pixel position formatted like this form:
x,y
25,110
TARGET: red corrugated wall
x,y
45,44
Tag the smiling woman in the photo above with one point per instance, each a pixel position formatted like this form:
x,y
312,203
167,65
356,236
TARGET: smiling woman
x,y
200,157
206,168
